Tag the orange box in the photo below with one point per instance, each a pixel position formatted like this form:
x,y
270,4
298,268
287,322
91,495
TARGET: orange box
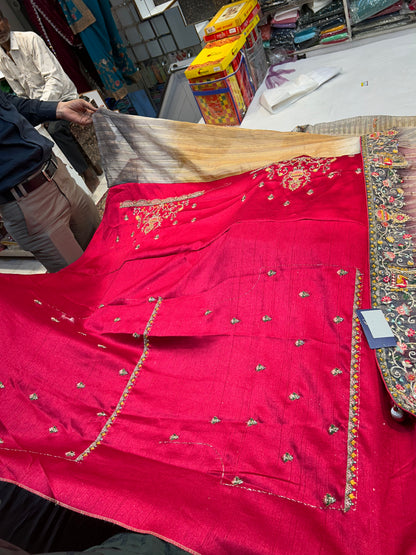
x,y
231,15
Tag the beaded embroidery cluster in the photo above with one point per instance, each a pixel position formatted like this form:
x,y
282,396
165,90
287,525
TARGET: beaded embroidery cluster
x,y
393,273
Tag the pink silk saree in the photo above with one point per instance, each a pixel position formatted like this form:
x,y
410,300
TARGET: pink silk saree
x,y
200,373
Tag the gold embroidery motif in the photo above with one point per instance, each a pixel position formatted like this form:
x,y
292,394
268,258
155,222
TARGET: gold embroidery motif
x,y
173,437
215,420
151,213
33,397
260,367
251,422
235,320
294,396
301,172
287,457
53,430
237,481
266,318
158,201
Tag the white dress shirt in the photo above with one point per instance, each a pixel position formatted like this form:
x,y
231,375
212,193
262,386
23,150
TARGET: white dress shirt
x,y
32,71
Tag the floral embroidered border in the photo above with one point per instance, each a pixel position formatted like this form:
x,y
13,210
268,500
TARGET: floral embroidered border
x,y
354,406
392,265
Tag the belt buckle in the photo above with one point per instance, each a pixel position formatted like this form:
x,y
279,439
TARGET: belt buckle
x,y
44,172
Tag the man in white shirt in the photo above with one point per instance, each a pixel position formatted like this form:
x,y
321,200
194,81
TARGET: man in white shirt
x,y
32,71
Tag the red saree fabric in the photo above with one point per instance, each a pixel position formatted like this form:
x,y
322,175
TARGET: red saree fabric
x,y
200,374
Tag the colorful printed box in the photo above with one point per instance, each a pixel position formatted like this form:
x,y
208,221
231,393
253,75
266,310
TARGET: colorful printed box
x,y
220,81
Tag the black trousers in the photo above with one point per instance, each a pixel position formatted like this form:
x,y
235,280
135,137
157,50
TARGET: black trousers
x,y
61,134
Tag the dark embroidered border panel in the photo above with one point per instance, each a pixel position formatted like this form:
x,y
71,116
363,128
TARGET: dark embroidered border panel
x,y
392,265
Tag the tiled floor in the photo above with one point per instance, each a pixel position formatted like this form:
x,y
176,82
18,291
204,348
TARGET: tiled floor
x,y
9,265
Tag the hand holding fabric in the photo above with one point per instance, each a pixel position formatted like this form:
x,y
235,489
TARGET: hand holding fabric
x,y
77,110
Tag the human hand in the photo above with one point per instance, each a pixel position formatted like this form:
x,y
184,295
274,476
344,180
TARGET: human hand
x,y
77,110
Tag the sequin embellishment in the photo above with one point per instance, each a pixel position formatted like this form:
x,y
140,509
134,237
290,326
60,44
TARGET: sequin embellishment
x,y
329,500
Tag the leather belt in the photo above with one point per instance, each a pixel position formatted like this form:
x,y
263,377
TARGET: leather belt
x,y
33,182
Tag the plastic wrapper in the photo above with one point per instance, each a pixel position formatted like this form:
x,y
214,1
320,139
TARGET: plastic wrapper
x,y
363,9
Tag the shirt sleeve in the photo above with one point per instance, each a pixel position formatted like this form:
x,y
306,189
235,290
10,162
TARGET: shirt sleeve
x,y
56,81
35,111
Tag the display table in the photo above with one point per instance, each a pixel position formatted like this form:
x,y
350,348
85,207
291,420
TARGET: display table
x,y
377,77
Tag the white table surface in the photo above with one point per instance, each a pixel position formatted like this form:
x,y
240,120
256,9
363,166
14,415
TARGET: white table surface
x,y
387,64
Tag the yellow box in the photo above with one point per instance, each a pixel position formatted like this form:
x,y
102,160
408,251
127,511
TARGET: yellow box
x,y
231,15
215,57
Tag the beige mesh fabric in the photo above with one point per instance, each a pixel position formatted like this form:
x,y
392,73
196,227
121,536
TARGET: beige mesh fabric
x,y
359,125
150,150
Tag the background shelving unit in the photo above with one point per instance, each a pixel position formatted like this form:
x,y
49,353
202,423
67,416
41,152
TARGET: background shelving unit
x,y
407,21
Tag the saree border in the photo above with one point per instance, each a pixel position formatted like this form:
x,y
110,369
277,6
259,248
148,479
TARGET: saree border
x,y
124,396
392,265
